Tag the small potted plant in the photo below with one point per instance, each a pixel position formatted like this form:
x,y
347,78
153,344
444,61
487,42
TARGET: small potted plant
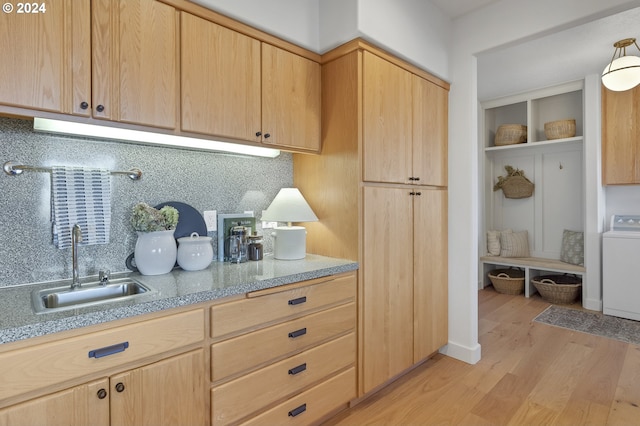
x,y
155,252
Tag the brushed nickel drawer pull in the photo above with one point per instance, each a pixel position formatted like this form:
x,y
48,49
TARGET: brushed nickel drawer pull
x,y
301,409
298,301
298,333
109,350
298,369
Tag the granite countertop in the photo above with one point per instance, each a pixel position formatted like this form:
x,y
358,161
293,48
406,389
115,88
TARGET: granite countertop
x,y
177,288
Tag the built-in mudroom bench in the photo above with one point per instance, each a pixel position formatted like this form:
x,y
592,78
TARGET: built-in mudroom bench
x,y
533,267
530,226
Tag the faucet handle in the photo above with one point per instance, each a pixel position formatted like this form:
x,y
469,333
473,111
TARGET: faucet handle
x,y
103,276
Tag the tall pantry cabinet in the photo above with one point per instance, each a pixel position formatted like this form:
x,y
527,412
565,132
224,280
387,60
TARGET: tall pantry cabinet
x,y
380,191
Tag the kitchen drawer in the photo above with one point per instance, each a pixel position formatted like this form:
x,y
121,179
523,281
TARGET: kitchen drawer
x,y
261,311
255,349
246,395
312,405
47,364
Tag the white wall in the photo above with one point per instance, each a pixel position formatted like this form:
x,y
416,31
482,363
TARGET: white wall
x,y
414,30
297,21
339,20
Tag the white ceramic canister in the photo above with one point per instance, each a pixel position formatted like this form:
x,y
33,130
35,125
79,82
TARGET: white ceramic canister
x,y
194,252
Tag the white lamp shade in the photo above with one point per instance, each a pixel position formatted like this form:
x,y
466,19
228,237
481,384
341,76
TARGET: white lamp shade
x,y
289,206
622,74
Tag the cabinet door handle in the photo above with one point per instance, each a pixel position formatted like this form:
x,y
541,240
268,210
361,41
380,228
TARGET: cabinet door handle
x,y
299,369
84,105
258,134
102,394
416,178
298,301
267,135
301,409
298,333
100,108
418,193
109,350
412,193
120,387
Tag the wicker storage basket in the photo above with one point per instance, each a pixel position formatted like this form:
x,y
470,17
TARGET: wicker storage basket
x,y
560,129
509,134
507,281
517,187
558,288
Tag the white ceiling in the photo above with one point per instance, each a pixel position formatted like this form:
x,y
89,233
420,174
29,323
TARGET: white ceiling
x,y
456,8
566,55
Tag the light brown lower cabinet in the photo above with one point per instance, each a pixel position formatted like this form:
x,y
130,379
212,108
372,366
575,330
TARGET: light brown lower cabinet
x,y
77,406
168,392
405,273
292,364
285,354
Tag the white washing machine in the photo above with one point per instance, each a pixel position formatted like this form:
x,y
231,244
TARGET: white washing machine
x,y
621,267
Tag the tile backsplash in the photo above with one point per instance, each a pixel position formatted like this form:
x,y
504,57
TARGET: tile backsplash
x,y
207,181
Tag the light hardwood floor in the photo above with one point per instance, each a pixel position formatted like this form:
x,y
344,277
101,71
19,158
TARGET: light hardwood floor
x,y
529,374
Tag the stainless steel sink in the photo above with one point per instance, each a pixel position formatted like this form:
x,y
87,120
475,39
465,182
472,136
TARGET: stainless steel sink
x,y
93,293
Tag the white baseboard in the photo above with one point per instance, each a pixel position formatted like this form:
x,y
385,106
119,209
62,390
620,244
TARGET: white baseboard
x,y
462,353
593,304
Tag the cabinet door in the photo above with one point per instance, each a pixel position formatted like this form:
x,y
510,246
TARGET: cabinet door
x,y
291,100
135,76
387,119
430,275
45,56
169,392
387,327
78,406
621,136
220,80
430,132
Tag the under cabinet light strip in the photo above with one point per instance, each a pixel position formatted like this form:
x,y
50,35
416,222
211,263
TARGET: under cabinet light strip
x,y
137,136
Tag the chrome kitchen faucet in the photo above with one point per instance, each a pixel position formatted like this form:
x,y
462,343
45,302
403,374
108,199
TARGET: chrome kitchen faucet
x,y
76,237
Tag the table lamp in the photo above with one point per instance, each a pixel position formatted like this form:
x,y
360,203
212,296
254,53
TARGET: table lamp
x,y
289,206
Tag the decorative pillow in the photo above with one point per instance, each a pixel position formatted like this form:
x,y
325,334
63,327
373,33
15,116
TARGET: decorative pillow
x,y
572,250
514,244
493,243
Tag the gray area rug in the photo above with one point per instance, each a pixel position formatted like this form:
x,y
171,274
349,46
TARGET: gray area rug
x,y
592,322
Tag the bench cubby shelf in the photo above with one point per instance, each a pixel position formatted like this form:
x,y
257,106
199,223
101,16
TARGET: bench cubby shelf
x,y
532,266
556,167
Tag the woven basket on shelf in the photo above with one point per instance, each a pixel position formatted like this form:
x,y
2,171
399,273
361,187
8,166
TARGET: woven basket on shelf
x,y
558,288
509,134
560,129
517,187
507,281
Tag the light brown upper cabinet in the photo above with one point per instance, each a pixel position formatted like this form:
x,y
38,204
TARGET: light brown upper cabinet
x,y
45,56
220,80
621,137
237,87
405,126
134,54
430,132
291,100
102,58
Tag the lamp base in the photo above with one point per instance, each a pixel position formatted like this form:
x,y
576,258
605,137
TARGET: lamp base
x,y
290,242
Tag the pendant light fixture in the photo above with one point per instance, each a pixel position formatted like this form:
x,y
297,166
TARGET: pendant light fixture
x,y
623,73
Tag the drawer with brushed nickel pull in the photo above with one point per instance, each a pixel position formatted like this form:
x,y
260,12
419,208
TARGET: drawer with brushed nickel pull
x,y
260,310
253,350
249,394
